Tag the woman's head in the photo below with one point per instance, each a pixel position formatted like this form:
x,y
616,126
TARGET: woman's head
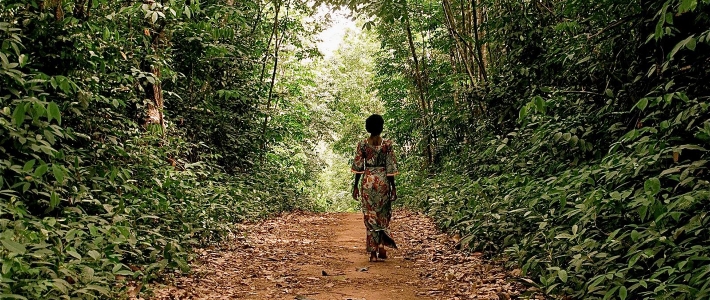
x,y
374,124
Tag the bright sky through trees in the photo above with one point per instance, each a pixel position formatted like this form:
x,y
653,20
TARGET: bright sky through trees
x,y
333,36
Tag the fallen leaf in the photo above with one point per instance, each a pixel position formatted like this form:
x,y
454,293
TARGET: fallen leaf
x,y
273,259
135,290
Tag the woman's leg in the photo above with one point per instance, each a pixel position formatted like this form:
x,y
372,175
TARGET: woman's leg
x,y
369,218
382,253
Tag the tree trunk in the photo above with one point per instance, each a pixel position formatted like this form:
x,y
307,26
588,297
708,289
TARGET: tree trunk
x,y
461,44
454,83
153,88
257,20
420,87
155,95
477,41
277,45
274,32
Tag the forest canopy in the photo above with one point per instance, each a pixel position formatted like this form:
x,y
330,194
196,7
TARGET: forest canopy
x,y
567,138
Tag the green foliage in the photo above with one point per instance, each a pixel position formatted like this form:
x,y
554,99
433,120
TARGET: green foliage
x,y
341,95
351,91
91,194
582,159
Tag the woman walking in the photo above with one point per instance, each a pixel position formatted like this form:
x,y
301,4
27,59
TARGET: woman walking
x,y
376,164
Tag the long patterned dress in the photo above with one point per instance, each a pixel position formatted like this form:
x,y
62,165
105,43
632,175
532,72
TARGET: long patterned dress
x,y
375,163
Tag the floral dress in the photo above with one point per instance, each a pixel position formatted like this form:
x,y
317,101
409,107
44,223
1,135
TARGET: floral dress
x,y
375,163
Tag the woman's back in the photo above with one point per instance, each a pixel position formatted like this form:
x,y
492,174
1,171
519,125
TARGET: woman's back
x,y
376,155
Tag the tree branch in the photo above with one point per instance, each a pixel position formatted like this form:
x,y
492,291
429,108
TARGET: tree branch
x,y
613,25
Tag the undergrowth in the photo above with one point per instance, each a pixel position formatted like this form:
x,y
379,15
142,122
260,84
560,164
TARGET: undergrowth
x,y
599,189
95,193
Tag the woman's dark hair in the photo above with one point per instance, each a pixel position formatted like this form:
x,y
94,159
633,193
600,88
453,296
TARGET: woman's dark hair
x,y
374,124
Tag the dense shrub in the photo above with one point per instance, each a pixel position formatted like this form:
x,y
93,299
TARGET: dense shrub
x,y
585,163
92,195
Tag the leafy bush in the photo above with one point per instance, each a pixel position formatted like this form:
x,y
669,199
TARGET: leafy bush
x,y
92,195
597,187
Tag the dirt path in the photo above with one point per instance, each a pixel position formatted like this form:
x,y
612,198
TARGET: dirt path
x,y
322,256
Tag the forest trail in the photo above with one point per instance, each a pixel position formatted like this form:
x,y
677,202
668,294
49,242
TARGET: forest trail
x,y
322,256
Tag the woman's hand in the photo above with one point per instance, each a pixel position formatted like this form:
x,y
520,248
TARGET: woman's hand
x,y
356,192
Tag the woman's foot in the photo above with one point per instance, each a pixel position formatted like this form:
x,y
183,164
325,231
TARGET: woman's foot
x,y
373,256
382,253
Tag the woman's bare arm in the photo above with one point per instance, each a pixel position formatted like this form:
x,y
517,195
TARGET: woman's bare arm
x,y
393,188
356,192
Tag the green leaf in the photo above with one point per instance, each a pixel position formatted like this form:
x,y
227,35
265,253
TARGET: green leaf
x,y
58,173
99,289
22,60
634,259
523,112
28,165
13,247
669,18
615,195
54,113
540,104
54,199
641,105
4,60
583,60
635,235
622,293
65,85
93,230
49,136
557,136
643,210
684,43
652,186
73,253
691,44
562,274
124,273
18,116
41,170
182,264
94,254
687,5
610,293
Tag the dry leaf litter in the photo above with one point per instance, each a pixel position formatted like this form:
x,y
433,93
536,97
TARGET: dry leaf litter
x,y
316,256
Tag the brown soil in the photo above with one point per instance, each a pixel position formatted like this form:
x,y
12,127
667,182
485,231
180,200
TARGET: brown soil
x,y
322,256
